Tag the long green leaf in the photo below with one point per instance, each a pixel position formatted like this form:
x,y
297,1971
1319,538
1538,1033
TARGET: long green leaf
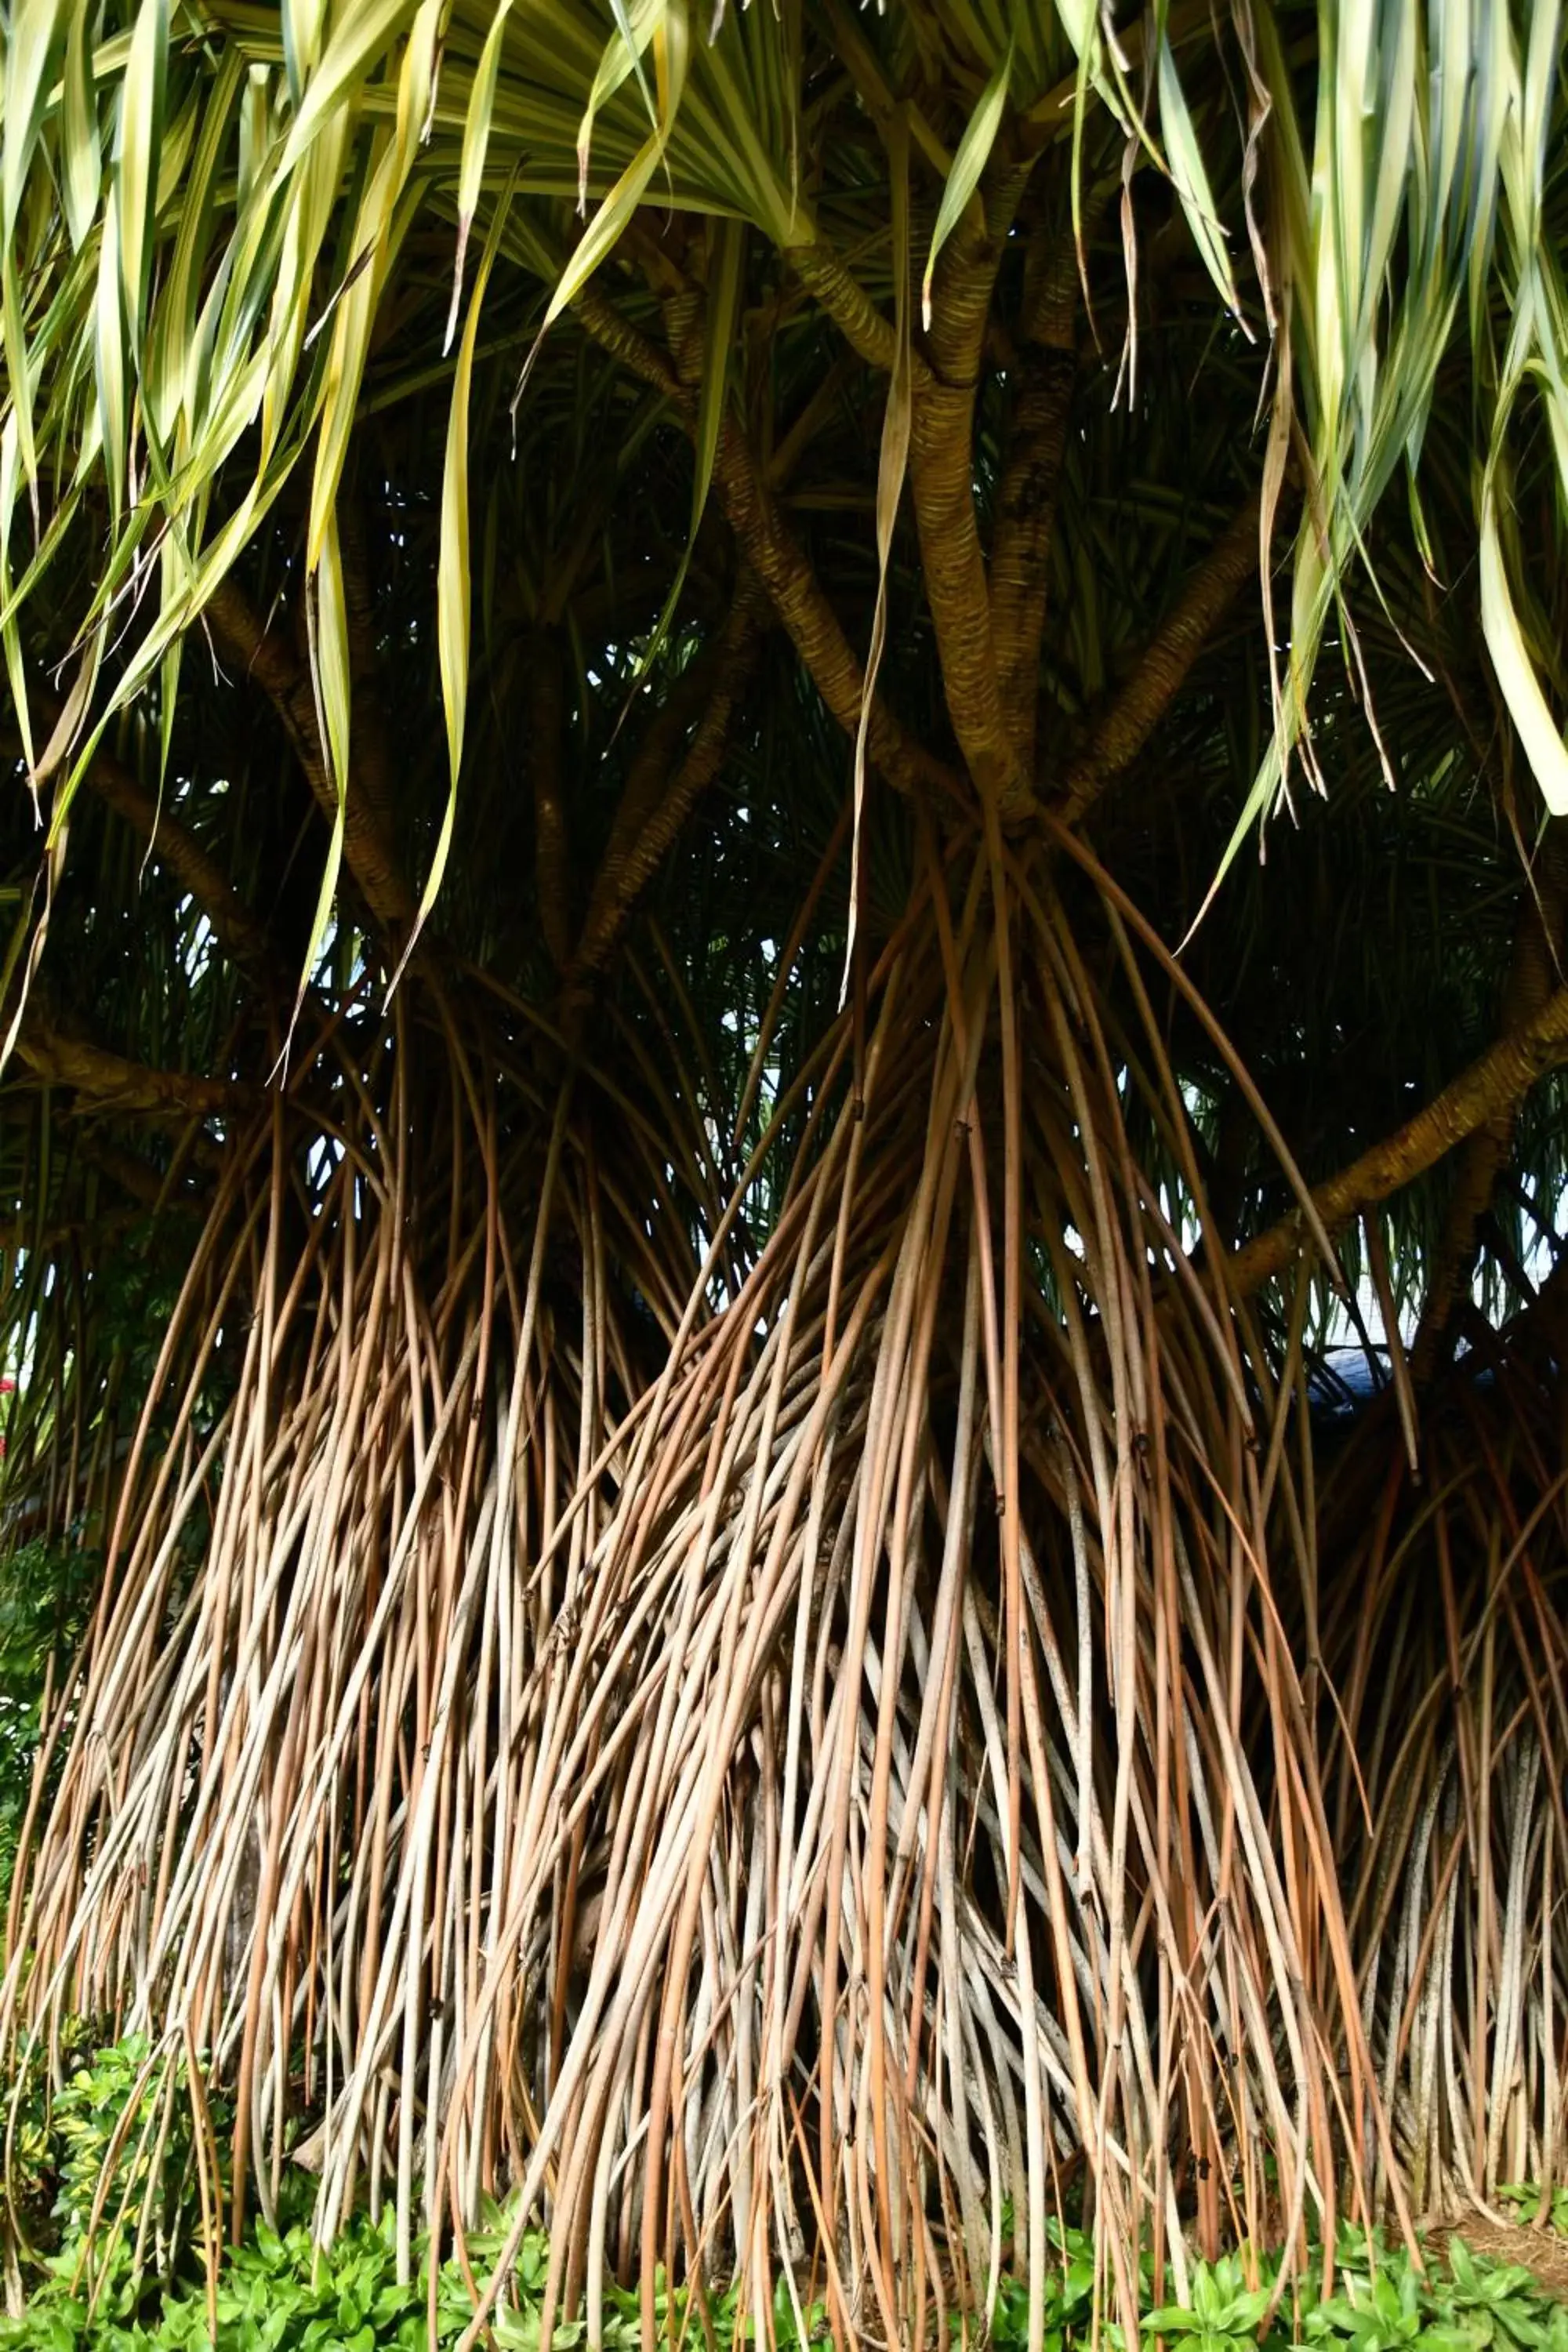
x,y
18,364
1516,673
376,237
140,140
32,42
974,152
81,156
671,44
623,55
893,464
113,381
327,618
361,37
1190,177
476,146
454,584
9,633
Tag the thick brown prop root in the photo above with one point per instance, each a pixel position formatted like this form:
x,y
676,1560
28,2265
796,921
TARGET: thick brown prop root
x,y
808,1743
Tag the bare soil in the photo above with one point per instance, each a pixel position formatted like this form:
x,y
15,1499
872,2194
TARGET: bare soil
x,y
1541,2251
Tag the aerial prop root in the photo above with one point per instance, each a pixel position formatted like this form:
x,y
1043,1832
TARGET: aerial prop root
x,y
577,1710
811,2043
1446,1763
351,1533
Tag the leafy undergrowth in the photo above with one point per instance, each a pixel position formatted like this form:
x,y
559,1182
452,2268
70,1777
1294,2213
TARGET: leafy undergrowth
x,y
1380,2303
1524,2197
110,2177
279,2293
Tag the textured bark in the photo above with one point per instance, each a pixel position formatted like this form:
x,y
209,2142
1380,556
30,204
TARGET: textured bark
x,y
781,564
1026,496
850,307
1534,971
941,472
1497,1081
661,792
1143,699
267,658
106,1082
642,358
783,569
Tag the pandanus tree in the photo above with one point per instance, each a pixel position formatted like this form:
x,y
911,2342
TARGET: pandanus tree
x,y
674,1299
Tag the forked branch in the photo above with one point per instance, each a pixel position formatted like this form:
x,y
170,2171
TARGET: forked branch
x,y
1146,696
781,565
660,792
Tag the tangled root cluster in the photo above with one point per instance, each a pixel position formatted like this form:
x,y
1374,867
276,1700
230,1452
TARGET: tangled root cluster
x,y
774,1749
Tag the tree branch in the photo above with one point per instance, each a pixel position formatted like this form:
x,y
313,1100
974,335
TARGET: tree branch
x,y
1031,477
1533,969
656,803
941,472
267,658
1146,696
236,929
779,562
106,1082
1499,1080
863,327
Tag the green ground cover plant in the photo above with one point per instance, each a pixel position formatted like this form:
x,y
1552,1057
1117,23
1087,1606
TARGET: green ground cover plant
x,y
281,2292
126,2260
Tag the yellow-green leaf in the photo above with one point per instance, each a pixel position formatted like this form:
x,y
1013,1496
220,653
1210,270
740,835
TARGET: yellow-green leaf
x,y
81,156
327,621
454,586
31,41
141,138
18,369
304,22
475,145
973,154
893,464
622,55
363,34
377,232
1190,178
671,42
9,633
113,394
1515,674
